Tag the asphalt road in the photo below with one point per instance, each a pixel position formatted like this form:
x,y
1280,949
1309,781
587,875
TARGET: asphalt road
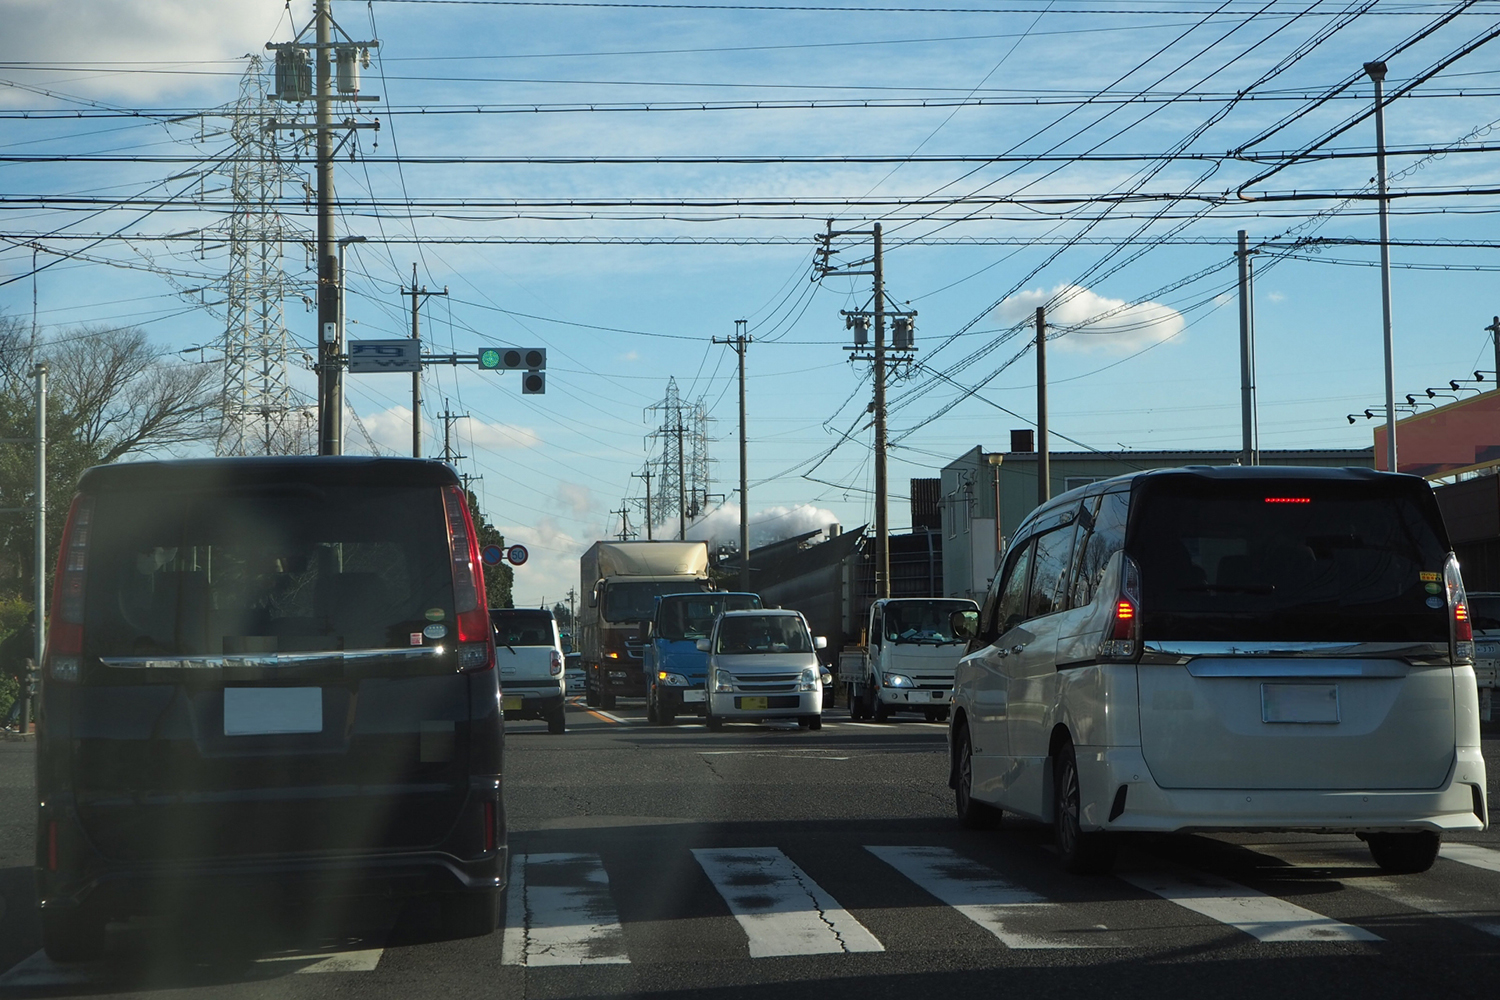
x,y
769,862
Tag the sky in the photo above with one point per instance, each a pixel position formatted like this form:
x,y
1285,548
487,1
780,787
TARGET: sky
x,y
1015,154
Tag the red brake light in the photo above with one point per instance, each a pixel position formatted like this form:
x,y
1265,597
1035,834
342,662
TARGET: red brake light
x,y
65,632
1288,499
1459,625
476,636
1122,635
489,825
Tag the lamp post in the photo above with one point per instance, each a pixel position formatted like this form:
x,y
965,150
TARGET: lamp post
x,y
1376,70
336,390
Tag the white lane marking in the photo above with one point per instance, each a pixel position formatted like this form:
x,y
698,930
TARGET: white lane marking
x,y
979,893
337,961
1263,917
608,716
38,970
560,912
1472,855
1478,910
782,911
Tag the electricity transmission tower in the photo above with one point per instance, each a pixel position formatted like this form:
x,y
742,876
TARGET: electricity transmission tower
x,y
684,468
262,413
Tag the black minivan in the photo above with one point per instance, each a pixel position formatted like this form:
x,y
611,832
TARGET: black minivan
x,y
267,674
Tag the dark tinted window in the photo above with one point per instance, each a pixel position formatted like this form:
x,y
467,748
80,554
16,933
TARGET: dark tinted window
x,y
922,621
1294,560
1099,540
520,627
1049,580
683,618
635,602
764,634
1010,609
1484,611
271,571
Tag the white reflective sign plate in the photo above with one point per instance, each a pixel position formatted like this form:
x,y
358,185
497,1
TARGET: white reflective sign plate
x,y
692,696
1309,703
263,711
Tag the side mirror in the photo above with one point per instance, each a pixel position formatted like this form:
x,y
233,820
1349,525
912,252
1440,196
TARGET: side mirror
x,y
965,624
643,631
594,596
820,642
702,645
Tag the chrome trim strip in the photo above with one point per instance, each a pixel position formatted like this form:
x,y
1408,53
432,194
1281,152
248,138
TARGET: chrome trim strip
x,y
1208,666
320,657
1179,652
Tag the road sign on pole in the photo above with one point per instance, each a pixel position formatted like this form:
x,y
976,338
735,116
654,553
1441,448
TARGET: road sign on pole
x,y
367,356
518,555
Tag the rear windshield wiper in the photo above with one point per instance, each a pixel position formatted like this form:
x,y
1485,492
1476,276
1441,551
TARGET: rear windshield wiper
x,y
1230,588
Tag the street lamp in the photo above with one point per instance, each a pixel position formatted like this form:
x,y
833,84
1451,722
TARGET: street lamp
x,y
1376,70
337,396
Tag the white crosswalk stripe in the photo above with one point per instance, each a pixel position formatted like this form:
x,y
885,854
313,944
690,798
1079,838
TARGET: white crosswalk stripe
x,y
782,911
1263,917
560,912
1472,854
979,893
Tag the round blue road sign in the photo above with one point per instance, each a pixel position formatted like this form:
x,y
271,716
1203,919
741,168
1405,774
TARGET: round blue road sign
x,y
518,555
492,555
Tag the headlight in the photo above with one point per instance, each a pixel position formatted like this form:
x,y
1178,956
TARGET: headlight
x,y
809,679
825,677
723,681
671,680
898,681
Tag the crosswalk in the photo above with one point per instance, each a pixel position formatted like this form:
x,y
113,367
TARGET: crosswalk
x,y
564,909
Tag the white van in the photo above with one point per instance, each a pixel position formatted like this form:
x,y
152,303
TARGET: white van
x,y
1225,649
533,680
764,665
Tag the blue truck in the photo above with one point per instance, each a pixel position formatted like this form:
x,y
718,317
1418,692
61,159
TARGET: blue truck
x,y
676,670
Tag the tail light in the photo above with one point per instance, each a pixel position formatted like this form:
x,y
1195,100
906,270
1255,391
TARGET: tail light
x,y
557,663
65,634
1460,628
489,825
1122,636
476,636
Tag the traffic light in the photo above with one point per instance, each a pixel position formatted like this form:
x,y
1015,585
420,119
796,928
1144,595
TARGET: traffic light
x,y
513,358
533,383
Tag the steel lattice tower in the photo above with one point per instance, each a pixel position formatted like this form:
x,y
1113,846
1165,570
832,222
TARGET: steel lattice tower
x,y
682,434
262,413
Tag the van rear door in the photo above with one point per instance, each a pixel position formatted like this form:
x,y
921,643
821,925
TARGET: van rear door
x,y
267,669
1307,626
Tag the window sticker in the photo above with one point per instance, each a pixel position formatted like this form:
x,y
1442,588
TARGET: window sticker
x,y
436,614
416,638
1430,577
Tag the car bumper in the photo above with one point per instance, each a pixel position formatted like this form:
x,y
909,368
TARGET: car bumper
x,y
738,705
1459,804
680,700
530,703
916,698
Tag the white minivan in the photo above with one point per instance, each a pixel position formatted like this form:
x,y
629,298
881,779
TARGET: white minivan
x,y
763,664
1247,649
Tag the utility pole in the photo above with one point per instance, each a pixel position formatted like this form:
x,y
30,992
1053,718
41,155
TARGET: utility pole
x,y
681,485
416,377
572,609
624,513
738,342
1494,329
1043,454
646,475
449,418
39,639
1376,70
1247,357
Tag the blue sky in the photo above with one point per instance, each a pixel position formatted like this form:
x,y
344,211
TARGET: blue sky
x,y
1159,370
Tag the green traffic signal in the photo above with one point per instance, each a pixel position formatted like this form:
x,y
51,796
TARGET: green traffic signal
x,y
489,358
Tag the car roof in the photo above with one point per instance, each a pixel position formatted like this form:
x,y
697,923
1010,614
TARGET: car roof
x,y
528,612
310,470
761,613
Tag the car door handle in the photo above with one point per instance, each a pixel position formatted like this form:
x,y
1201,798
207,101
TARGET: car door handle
x,y
1018,648
1002,652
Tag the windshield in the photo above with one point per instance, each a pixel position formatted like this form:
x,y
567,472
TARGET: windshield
x,y
1294,560
692,617
635,602
764,634
522,628
922,621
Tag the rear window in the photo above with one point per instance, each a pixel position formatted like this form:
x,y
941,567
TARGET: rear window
x,y
522,628
764,634
1484,612
683,618
301,569
1292,560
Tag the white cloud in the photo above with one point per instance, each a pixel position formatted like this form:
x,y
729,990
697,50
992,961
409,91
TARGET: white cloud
x,y
391,429
1276,297
494,436
150,31
552,561
1105,324
630,356
576,498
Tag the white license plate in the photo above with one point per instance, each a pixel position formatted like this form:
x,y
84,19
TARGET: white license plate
x,y
511,703
1305,703
265,711
1487,649
694,696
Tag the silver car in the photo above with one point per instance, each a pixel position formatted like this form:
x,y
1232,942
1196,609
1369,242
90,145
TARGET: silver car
x,y
764,665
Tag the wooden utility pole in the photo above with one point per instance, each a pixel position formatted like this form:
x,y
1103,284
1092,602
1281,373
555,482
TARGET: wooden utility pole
x,y
1043,456
417,295
739,342
646,475
882,518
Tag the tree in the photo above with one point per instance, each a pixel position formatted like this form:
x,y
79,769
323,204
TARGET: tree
x,y
563,615
498,578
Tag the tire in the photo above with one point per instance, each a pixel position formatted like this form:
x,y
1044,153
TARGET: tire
x,y
607,700
856,703
590,695
557,720
1404,853
73,935
804,722
815,722
1080,853
882,712
470,914
972,814
664,717
714,723
651,713
935,714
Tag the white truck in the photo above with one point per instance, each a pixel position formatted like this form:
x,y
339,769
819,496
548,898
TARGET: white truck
x,y
619,583
905,659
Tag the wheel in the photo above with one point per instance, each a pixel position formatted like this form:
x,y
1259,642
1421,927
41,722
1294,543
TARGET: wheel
x,y
607,700
651,705
882,712
815,722
665,717
1080,853
935,714
856,704
73,935
804,722
557,720
1404,853
713,722
871,699
972,814
590,695
470,914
